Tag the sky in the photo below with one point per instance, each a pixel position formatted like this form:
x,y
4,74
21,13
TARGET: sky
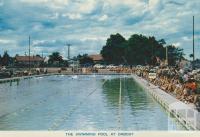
x,y
86,24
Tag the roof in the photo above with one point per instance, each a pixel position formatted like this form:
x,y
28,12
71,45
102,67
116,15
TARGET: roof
x,y
96,57
26,58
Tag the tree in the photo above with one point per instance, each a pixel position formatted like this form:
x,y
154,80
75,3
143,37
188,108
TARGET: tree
x,y
54,58
191,55
143,50
85,60
138,50
37,55
174,54
162,42
6,59
113,51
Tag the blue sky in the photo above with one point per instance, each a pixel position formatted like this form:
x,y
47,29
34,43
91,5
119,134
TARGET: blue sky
x,y
86,24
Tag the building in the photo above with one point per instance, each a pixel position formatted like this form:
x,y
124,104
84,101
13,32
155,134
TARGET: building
x,y
35,61
97,58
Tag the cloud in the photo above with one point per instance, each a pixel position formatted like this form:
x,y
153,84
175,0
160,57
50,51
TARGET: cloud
x,y
103,18
87,23
185,38
175,3
5,41
155,5
78,46
1,3
54,16
73,16
177,44
34,1
55,4
87,6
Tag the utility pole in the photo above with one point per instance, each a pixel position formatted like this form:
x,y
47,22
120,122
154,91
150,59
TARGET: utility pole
x,y
29,53
68,51
193,40
167,55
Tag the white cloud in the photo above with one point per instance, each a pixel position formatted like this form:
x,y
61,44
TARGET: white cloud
x,y
40,42
155,6
136,7
37,27
66,26
153,3
103,18
34,1
8,45
178,44
185,38
90,22
73,16
87,6
5,41
61,2
51,3
1,3
126,2
57,2
54,16
36,42
93,38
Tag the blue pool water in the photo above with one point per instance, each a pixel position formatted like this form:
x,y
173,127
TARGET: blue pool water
x,y
81,103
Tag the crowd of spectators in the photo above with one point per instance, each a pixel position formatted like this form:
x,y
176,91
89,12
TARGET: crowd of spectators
x,y
180,83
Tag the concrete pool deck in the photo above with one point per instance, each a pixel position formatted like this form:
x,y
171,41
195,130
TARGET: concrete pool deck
x,y
184,113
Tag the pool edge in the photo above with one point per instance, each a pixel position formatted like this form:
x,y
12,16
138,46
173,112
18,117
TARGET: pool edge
x,y
172,105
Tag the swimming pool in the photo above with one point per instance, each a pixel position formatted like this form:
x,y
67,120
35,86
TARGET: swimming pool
x,y
84,102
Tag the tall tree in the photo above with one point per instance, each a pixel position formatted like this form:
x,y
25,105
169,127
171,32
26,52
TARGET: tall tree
x,y
55,57
6,59
143,50
85,60
174,54
113,51
138,49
